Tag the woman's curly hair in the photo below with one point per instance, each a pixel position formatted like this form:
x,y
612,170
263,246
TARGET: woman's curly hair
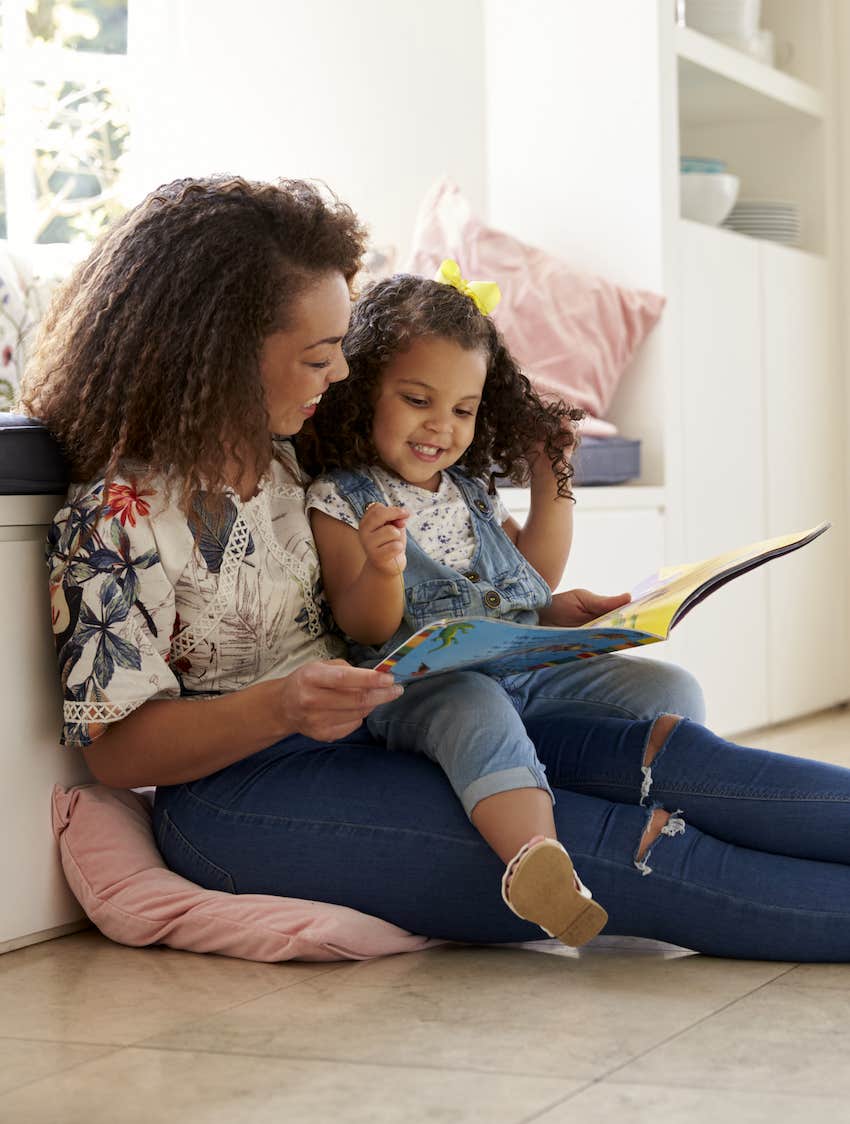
x,y
512,419
150,351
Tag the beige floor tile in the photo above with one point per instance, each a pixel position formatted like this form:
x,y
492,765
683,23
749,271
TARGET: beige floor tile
x,y
780,1039
495,1010
650,1104
818,975
84,988
136,1086
24,1061
824,737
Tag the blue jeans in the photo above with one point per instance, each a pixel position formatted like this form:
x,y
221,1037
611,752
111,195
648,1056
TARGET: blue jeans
x,y
761,870
474,725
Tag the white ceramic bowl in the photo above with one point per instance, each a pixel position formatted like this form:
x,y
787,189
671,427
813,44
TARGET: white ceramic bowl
x,y
708,197
723,17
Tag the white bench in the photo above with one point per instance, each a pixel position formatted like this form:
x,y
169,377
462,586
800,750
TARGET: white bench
x,y
35,903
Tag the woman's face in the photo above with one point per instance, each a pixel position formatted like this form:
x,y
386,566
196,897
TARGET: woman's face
x,y
299,364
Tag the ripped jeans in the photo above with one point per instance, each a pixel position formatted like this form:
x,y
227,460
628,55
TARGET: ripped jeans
x,y
754,863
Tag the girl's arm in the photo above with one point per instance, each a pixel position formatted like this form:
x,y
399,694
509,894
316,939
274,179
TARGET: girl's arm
x,y
173,741
547,535
362,571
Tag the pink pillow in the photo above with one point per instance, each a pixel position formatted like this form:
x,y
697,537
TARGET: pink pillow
x,y
119,878
573,334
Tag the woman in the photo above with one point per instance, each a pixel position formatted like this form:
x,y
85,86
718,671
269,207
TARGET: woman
x,y
193,636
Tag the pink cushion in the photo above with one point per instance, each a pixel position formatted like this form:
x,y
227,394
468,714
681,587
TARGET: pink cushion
x,y
573,334
117,874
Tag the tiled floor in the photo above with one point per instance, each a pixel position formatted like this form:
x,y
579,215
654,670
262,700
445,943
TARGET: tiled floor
x,y
630,1031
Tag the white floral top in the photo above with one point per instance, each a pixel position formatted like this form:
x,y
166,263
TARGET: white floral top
x,y
439,521
142,612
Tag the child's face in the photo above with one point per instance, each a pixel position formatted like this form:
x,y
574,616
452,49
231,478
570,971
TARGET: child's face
x,y
425,409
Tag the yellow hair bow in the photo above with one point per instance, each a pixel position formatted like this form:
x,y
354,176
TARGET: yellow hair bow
x,y
485,294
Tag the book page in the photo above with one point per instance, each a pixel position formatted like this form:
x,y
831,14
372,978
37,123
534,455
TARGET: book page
x,y
658,598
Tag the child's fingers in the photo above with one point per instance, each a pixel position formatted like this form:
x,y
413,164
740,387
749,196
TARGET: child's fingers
x,y
387,552
379,515
382,535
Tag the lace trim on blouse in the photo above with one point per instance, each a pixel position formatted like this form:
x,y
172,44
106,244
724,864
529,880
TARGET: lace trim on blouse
x,y
98,713
234,553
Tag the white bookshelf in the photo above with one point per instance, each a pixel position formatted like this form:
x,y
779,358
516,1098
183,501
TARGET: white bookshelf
x,y
718,83
742,376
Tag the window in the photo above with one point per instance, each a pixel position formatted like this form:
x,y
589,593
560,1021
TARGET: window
x,y
63,118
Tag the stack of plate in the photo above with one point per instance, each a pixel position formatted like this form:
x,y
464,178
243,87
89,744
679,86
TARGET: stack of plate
x,y
775,219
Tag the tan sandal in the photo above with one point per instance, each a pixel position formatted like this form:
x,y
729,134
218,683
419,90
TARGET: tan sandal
x,y
541,885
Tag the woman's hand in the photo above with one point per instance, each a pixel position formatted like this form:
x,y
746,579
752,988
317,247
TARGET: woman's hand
x,y
327,699
576,607
383,537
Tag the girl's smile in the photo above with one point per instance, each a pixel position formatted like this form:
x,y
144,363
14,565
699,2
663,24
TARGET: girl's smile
x,y
426,406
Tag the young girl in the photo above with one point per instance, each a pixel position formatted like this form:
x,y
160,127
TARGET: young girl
x,y
409,529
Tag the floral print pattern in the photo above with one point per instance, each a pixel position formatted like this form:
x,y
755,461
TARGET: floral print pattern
x,y
25,293
147,603
439,521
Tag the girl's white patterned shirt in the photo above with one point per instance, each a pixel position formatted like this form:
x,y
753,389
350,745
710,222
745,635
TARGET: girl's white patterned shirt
x,y
140,611
439,521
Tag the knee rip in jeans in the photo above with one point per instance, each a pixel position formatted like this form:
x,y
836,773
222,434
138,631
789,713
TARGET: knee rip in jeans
x,y
659,822
659,735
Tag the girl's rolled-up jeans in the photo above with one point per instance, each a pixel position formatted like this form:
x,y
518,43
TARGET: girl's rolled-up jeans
x,y
474,725
756,862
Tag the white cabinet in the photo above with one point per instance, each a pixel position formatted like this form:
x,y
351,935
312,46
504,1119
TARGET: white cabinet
x,y
760,414
36,902
724,641
807,609
738,395
614,550
618,536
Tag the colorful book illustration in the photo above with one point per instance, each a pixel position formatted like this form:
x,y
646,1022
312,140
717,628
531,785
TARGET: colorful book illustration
x,y
658,603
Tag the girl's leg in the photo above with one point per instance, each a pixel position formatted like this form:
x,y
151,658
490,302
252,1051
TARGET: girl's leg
x,y
468,725
384,833
751,797
618,686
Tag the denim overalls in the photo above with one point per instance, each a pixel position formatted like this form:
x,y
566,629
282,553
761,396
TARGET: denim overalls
x,y
470,723
498,583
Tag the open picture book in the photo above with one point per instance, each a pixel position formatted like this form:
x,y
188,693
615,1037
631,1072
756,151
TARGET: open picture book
x,y
658,603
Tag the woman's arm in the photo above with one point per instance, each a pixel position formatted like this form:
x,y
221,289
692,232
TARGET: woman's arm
x,y
362,571
179,740
547,535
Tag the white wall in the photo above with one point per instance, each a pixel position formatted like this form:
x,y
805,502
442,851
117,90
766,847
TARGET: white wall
x,y
575,163
377,97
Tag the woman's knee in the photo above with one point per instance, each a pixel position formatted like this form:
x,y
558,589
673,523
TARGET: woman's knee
x,y
659,822
679,692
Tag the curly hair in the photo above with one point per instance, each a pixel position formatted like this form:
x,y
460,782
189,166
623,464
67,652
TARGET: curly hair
x,y
150,351
512,419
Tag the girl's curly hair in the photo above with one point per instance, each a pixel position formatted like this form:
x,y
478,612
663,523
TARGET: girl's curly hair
x,y
512,419
150,351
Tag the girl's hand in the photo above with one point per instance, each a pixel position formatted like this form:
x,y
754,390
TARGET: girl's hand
x,y
383,537
327,699
576,607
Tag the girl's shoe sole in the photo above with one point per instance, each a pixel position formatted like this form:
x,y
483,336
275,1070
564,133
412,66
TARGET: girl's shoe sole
x,y
543,890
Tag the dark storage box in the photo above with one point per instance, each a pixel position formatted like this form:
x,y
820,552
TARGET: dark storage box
x,y
31,462
606,460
